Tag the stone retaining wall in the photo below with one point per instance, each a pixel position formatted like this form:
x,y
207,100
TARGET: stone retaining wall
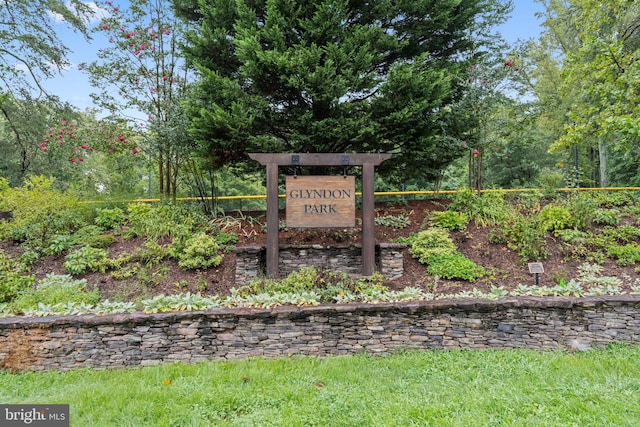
x,y
113,341
251,260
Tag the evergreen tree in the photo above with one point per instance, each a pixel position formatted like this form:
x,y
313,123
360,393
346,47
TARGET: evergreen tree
x,y
337,76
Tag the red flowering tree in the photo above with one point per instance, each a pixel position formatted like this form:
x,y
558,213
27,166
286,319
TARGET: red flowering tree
x,y
140,71
80,141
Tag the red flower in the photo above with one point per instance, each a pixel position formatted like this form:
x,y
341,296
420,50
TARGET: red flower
x,y
105,27
476,152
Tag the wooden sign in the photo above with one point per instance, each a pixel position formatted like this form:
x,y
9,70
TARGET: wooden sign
x,y
320,201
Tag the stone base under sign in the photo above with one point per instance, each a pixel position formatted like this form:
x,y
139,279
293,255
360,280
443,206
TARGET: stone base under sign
x,y
251,260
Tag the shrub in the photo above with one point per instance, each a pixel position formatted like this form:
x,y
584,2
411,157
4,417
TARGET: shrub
x,y
40,212
432,242
554,218
200,251
58,245
85,234
581,206
86,258
486,209
454,266
606,216
527,238
624,255
55,289
102,241
392,221
12,278
451,220
109,218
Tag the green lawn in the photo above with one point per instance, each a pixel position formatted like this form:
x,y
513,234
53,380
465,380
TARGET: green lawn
x,y
433,388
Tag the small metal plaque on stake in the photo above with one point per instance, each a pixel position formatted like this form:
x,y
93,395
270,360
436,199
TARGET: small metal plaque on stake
x,y
536,268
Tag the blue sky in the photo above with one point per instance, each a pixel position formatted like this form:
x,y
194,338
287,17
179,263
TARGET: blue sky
x,y
73,86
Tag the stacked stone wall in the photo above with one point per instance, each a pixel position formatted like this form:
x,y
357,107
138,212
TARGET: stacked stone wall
x,y
115,341
251,260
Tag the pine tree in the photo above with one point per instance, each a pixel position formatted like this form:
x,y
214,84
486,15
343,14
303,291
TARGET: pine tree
x,y
336,76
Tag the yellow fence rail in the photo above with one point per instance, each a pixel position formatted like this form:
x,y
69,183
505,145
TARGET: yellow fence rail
x,y
396,193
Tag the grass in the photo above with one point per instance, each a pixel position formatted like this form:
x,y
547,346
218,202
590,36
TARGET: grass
x,y
434,388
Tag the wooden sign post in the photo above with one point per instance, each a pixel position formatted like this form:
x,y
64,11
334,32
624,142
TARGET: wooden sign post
x,y
331,195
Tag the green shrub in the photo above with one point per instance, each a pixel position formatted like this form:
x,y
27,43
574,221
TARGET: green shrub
x,y
40,213
392,221
55,289
432,242
200,251
102,241
86,234
302,280
13,280
157,222
527,238
451,220
581,206
454,266
624,255
555,218
486,209
151,253
85,258
606,216
623,233
58,245
109,218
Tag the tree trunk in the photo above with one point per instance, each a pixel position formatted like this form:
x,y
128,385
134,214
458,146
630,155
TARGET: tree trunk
x,y
602,153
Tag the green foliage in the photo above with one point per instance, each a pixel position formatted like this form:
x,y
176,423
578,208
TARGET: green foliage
x,y
335,56
102,241
527,238
179,302
450,220
302,280
109,218
40,213
55,289
624,233
309,282
200,251
432,242
58,245
85,259
86,234
13,278
163,220
30,34
624,255
581,206
454,266
392,221
606,216
488,209
554,218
